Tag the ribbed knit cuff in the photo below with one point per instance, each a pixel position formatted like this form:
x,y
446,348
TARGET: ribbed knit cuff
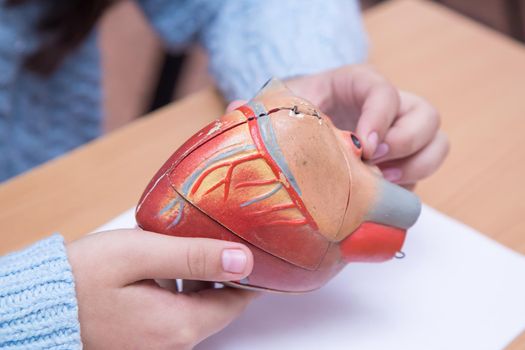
x,y
38,306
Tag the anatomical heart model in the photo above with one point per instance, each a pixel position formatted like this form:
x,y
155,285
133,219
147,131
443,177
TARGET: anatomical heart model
x,y
278,176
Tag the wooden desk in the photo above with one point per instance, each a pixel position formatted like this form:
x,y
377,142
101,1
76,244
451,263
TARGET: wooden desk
x,y
475,76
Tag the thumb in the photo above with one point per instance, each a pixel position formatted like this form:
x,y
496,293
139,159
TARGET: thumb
x,y
156,256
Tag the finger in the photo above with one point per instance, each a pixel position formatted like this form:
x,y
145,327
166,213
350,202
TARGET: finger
x,y
416,127
235,104
148,255
379,107
213,309
410,170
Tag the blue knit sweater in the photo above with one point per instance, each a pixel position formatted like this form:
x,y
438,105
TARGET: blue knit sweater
x,y
248,41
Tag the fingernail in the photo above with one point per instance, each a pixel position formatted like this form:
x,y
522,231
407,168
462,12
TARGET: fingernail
x,y
392,174
373,138
233,260
381,151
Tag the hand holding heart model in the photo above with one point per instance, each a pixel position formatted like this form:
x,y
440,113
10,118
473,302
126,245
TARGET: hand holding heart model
x,y
278,176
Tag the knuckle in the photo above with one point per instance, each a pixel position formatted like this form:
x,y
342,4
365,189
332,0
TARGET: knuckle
x,y
409,146
178,329
430,111
445,144
180,339
360,69
186,337
392,90
196,260
392,93
160,336
403,146
426,168
415,173
429,165
367,72
434,116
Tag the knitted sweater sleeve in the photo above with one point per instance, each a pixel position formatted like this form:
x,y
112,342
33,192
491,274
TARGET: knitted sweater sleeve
x,y
38,307
249,41
252,41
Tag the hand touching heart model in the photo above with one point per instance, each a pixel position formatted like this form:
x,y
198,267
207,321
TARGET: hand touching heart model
x,y
278,176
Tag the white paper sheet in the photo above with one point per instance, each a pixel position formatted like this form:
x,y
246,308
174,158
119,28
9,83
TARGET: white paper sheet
x,y
456,289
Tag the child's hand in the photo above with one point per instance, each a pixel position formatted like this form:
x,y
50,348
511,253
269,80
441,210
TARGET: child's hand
x,y
121,307
400,130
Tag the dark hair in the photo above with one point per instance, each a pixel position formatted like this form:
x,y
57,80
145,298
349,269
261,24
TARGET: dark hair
x,y
63,26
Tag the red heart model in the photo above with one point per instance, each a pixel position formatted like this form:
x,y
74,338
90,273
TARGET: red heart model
x,y
278,176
